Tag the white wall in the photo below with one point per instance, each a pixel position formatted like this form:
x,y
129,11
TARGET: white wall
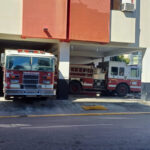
x,y
144,23
11,17
146,67
122,27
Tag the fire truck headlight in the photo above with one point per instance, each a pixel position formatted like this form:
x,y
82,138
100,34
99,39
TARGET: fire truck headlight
x,y
134,83
14,81
46,82
16,86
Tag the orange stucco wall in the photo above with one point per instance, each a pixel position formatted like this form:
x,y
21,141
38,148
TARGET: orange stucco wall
x,y
90,20
48,14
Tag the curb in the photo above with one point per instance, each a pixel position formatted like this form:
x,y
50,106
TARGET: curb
x,y
69,115
94,107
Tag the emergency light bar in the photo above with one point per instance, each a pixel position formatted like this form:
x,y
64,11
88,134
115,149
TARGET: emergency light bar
x,y
30,51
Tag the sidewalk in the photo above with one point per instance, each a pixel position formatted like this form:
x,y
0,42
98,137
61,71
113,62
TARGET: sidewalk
x,y
73,106
114,104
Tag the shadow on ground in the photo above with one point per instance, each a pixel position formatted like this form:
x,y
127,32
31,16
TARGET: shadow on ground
x,y
36,106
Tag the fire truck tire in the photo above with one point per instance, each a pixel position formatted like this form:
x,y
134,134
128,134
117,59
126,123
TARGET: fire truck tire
x,y
74,87
122,90
1,93
6,97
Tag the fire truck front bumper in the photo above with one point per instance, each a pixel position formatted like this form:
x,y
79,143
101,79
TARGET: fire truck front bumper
x,y
30,92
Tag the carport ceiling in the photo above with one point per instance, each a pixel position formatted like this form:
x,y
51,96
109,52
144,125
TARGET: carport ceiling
x,y
9,44
97,51
77,49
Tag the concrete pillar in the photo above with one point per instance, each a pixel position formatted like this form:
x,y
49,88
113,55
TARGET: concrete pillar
x,y
146,75
63,70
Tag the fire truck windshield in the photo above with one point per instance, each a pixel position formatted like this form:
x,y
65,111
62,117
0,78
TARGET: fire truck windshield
x,y
29,63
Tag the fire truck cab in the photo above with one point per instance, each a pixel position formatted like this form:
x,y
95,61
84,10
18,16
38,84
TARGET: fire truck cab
x,y
27,73
107,77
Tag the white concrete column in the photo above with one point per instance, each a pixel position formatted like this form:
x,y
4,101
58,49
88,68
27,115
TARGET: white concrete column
x,y
146,75
64,60
63,70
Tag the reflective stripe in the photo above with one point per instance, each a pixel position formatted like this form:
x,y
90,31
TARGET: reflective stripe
x,y
87,84
135,87
112,85
75,79
15,86
50,86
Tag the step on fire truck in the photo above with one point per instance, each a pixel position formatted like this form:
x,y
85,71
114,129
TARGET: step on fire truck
x,y
27,73
110,77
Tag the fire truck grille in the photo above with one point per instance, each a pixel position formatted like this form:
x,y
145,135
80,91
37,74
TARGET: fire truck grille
x,y
25,81
34,77
30,81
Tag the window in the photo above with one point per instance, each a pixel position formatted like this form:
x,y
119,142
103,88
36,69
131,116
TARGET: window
x,y
80,70
115,4
134,72
29,63
42,64
76,69
114,71
18,63
121,71
72,69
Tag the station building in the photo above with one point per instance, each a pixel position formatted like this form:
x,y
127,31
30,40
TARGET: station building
x,y
78,31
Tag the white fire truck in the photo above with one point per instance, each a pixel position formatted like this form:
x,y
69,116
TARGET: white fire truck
x,y
27,73
108,77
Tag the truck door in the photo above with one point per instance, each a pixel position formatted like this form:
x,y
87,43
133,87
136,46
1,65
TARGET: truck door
x,y
135,79
117,72
134,73
121,74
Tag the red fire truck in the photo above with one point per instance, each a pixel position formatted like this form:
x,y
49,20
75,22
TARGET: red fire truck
x,y
28,73
107,77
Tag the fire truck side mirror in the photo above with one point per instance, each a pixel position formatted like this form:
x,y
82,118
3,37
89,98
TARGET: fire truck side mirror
x,y
2,59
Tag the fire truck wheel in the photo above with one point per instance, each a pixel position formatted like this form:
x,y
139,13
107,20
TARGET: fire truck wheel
x,y
6,97
1,93
122,90
74,87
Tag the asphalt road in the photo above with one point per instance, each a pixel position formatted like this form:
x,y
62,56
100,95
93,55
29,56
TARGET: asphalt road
x,y
127,132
